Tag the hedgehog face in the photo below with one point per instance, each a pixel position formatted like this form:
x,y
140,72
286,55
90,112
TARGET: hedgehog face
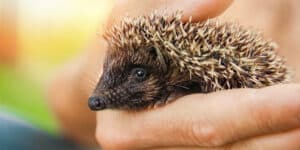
x,y
130,80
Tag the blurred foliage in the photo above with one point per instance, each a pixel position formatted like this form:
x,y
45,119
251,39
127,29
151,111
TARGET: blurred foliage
x,y
24,97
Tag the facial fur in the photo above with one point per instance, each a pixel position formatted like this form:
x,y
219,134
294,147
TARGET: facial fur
x,y
121,86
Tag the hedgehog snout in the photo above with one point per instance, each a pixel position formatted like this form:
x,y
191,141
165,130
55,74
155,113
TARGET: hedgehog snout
x,y
97,103
109,98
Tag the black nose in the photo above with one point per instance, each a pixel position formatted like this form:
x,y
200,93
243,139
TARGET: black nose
x,y
97,103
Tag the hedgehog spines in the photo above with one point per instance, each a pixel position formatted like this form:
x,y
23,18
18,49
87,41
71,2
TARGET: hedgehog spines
x,y
225,55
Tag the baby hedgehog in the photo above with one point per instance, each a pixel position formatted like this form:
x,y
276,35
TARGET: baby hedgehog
x,y
152,57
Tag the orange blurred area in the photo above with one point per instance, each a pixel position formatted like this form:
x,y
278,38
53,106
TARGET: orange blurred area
x,y
8,33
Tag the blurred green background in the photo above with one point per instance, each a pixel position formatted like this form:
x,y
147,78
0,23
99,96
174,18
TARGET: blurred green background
x,y
24,97
36,38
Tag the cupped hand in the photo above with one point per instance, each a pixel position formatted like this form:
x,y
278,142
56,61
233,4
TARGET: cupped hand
x,y
267,118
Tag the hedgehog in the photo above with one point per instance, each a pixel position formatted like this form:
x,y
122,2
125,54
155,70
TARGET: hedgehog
x,y
150,58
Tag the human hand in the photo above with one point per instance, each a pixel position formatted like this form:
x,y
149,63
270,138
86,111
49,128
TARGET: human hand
x,y
267,118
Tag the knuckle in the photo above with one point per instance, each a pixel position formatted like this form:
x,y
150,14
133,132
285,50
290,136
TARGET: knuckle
x,y
206,135
264,120
265,116
260,112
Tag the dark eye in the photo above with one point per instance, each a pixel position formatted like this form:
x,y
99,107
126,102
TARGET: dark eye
x,y
139,73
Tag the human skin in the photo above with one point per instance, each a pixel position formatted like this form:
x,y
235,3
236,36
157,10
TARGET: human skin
x,y
265,118
235,119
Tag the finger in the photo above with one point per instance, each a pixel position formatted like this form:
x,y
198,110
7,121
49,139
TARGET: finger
x,y
207,120
186,148
289,140
189,148
227,116
198,9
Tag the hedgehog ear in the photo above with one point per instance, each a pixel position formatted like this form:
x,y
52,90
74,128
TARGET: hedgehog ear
x,y
156,53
